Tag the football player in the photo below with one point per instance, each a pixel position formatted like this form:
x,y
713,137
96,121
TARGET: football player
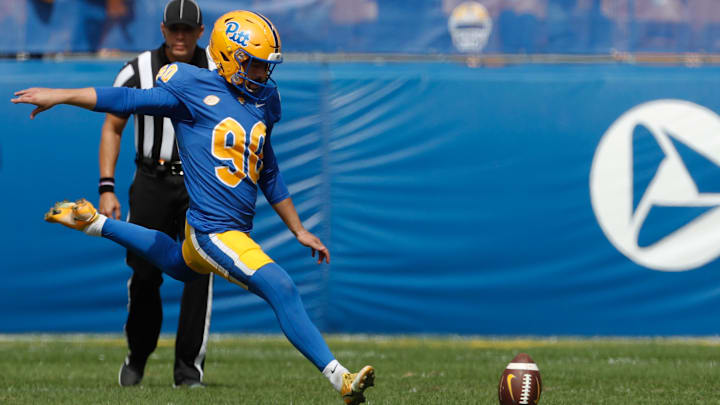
x,y
223,121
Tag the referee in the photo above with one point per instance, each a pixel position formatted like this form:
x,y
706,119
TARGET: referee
x,y
158,200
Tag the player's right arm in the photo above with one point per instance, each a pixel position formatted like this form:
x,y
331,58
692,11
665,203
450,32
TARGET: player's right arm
x,y
116,100
110,140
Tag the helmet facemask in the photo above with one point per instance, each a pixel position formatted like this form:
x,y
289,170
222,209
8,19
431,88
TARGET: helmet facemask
x,y
253,76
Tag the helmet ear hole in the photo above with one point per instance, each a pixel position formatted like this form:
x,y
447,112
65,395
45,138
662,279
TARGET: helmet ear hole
x,y
225,58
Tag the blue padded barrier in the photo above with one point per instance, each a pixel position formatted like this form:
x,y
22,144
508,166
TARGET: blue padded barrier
x,y
454,200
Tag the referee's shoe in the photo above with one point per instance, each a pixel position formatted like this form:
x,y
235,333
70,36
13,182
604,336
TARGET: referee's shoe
x,y
128,376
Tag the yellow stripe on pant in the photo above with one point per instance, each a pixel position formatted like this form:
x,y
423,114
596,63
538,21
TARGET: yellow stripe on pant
x,y
204,253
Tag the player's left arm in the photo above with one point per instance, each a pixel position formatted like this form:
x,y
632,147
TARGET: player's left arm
x,y
116,100
45,99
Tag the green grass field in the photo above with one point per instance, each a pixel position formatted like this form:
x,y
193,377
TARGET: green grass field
x,y
57,369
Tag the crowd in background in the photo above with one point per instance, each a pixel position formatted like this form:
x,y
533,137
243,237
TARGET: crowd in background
x,y
372,26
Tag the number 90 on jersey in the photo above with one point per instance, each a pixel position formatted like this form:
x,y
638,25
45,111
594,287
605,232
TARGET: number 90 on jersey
x,y
231,143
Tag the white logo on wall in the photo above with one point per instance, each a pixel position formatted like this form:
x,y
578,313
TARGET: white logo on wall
x,y
470,26
622,199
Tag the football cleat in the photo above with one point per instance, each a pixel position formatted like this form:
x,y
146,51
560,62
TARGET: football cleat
x,y
355,384
75,215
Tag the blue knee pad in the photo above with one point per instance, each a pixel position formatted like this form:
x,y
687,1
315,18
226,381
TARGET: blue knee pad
x,y
275,286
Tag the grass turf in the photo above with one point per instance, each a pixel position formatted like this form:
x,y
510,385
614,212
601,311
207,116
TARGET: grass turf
x,y
58,369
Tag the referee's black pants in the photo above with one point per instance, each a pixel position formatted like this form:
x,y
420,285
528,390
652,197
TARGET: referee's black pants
x,y
160,202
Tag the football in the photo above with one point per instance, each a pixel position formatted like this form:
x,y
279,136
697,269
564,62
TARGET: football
x,y
520,383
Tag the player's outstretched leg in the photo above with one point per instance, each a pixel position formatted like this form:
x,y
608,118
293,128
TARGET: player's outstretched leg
x,y
272,283
355,384
155,246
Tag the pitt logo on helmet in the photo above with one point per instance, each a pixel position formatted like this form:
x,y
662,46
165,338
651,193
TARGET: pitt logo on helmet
x,y
240,38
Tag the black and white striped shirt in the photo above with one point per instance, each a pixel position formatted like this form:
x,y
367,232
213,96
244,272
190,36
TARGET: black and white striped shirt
x,y
154,136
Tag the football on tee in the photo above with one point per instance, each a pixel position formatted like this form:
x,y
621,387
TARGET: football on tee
x,y
520,383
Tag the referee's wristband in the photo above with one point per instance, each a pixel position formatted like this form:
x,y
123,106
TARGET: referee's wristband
x,y
107,184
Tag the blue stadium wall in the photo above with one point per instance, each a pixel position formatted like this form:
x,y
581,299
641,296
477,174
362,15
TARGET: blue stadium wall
x,y
453,200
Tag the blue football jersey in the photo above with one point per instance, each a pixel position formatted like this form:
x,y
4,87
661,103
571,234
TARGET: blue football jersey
x,y
225,148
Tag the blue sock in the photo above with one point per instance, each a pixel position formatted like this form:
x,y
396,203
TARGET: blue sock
x,y
273,284
155,246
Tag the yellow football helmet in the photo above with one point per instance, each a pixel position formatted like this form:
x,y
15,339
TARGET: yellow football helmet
x,y
243,43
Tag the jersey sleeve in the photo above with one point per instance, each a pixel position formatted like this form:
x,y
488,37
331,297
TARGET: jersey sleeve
x,y
127,77
155,101
271,181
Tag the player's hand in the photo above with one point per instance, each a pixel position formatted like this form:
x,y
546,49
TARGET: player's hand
x,y
109,205
41,97
308,239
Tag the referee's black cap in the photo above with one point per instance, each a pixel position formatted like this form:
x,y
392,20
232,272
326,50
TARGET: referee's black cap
x,y
182,12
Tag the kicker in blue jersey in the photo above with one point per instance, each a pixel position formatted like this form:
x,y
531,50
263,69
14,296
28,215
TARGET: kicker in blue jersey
x,y
223,122
225,148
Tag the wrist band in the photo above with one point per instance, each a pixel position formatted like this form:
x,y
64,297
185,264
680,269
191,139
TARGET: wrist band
x,y
107,184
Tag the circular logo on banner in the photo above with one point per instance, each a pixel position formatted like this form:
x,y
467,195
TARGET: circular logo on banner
x,y
655,185
470,26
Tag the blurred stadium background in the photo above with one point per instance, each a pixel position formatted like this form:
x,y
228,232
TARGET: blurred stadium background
x,y
460,159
